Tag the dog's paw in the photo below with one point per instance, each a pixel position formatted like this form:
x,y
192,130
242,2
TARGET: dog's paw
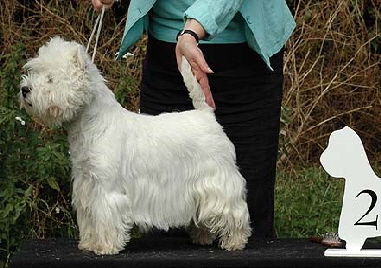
x,y
234,242
98,248
84,246
233,247
105,250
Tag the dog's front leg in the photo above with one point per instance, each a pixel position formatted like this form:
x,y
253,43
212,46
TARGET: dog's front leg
x,y
81,202
111,222
103,218
85,228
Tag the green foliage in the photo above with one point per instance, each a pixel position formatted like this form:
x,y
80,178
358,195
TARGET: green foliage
x,y
125,88
308,202
34,169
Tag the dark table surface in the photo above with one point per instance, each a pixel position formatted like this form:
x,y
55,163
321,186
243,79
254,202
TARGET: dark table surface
x,y
160,250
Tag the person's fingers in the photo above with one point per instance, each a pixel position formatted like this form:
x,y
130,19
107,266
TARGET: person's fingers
x,y
197,60
202,79
98,4
187,47
201,63
204,83
178,59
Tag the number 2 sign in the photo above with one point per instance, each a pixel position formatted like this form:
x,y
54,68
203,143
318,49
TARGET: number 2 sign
x,y
345,157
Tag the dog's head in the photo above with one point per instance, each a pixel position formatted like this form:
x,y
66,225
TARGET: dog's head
x,y
345,154
57,84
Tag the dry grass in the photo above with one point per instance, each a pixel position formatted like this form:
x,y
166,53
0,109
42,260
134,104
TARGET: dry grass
x,y
333,78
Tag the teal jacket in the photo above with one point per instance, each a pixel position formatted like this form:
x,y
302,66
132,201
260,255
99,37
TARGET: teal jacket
x,y
268,23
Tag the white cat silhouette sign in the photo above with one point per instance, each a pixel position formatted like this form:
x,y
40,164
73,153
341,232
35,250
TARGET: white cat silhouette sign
x,y
360,217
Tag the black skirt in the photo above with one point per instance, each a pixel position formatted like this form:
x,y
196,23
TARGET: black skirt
x,y
248,99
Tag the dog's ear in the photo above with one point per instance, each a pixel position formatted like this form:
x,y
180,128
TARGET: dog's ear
x,y
80,57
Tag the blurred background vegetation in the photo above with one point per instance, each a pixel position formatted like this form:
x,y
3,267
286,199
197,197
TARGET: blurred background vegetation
x,y
332,79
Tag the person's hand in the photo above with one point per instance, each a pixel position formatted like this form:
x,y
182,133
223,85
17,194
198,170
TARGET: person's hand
x,y
187,47
99,3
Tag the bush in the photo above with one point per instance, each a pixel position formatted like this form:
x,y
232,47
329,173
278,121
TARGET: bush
x,y
34,170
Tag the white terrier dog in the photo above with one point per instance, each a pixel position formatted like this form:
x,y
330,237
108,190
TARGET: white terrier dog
x,y
170,170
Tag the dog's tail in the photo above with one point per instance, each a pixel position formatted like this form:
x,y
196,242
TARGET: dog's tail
x,y
194,88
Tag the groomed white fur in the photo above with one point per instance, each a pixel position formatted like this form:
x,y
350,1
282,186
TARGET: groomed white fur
x,y
170,170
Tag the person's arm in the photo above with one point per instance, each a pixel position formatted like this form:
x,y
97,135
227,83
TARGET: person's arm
x,y
206,18
213,15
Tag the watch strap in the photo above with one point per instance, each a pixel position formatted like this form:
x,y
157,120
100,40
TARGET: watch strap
x,y
190,32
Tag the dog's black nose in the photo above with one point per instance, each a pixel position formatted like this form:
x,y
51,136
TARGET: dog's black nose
x,y
24,91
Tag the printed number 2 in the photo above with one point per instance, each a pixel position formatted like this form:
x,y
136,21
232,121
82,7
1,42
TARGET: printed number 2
x,y
373,195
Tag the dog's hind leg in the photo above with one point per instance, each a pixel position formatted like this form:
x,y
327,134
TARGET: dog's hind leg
x,y
223,209
234,235
231,227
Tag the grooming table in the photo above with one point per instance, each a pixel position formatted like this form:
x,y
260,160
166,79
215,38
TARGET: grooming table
x,y
161,250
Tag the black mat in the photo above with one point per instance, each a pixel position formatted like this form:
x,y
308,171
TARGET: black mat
x,y
177,251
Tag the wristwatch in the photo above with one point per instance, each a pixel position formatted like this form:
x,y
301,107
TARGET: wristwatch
x,y
192,33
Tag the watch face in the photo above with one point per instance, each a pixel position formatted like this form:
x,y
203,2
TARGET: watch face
x,y
180,33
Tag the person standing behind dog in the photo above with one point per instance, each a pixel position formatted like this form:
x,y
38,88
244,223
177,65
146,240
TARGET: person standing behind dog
x,y
242,76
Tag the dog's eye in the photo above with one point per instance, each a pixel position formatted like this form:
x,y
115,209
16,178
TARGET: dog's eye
x,y
50,79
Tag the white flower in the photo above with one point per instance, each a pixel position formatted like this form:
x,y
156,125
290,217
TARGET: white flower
x,y
22,122
125,56
128,54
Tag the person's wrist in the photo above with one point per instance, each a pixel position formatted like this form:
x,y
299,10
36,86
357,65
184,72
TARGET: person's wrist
x,y
195,26
189,32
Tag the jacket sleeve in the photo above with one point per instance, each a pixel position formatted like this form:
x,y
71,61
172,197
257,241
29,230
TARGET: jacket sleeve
x,y
213,15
